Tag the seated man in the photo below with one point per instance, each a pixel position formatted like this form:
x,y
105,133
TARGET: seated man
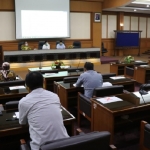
x,y
6,74
90,79
46,45
25,46
41,110
60,45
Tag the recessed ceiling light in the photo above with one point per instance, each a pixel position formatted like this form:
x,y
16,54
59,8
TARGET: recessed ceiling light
x,y
134,9
147,5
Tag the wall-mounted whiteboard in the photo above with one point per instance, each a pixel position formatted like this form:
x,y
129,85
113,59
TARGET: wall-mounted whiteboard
x,y
80,26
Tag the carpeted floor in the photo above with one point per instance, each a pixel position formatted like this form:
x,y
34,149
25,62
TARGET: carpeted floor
x,y
107,60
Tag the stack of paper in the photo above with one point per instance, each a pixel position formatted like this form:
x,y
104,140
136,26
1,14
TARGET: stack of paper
x,y
50,74
117,77
106,84
106,100
16,87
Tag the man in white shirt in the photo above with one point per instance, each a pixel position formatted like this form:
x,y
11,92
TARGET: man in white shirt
x,y
60,45
46,45
41,109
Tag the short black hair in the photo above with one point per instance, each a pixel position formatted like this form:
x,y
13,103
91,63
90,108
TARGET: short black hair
x,y
34,80
89,66
60,41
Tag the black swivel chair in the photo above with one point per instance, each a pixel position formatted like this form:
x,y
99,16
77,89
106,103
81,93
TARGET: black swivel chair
x,y
104,50
76,44
40,45
19,45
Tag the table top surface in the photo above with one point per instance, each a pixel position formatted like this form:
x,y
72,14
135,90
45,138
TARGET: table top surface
x,y
4,125
61,74
51,51
128,64
118,81
9,92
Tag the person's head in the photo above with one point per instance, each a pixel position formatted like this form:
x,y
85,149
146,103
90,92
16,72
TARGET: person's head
x,y
88,66
6,66
60,42
34,80
26,43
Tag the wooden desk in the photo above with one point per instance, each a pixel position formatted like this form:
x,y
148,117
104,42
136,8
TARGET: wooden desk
x,y
49,79
12,95
68,93
109,117
120,67
11,131
142,74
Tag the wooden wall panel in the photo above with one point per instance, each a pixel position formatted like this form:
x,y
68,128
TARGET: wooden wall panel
x,y
13,45
7,5
81,6
109,45
114,3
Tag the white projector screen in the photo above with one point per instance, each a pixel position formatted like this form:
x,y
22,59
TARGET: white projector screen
x,y
42,19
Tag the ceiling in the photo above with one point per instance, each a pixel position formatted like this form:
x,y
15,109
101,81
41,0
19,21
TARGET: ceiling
x,y
136,6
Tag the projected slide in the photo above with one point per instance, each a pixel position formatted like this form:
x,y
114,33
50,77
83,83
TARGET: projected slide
x,y
42,24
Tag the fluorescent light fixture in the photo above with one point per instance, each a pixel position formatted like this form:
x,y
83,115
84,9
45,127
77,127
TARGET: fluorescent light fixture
x,y
146,2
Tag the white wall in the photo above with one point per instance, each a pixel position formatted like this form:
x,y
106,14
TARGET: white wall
x,y
80,25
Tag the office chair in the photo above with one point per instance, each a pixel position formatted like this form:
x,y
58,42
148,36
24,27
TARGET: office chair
x,y
76,44
104,50
144,136
40,45
94,140
19,45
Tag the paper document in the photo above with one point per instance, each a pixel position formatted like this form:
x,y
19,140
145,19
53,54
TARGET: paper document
x,y
106,100
50,74
106,84
117,77
64,67
17,114
75,85
16,87
144,65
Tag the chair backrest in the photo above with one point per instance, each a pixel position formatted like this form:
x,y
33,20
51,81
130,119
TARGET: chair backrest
x,y
12,83
76,44
19,45
40,44
12,105
108,75
70,79
129,72
108,90
94,140
48,71
147,136
144,136
84,104
75,69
